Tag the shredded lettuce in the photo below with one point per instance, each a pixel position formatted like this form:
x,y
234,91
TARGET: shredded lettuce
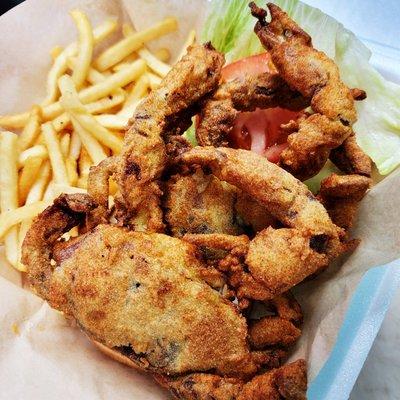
x,y
229,27
190,134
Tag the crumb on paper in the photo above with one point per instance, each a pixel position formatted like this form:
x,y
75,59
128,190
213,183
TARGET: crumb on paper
x,y
15,329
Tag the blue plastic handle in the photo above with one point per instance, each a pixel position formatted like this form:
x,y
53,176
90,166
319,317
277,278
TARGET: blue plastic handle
x,y
362,322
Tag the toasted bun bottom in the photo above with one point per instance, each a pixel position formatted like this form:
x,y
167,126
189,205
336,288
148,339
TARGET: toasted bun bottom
x,y
115,355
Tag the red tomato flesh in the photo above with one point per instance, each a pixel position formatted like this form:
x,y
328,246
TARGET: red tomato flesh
x,y
259,130
253,65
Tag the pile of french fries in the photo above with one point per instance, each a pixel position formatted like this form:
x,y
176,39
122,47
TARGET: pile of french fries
x,y
49,149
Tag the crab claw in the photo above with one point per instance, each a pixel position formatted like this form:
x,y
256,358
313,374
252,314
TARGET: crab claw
x,y
280,29
67,211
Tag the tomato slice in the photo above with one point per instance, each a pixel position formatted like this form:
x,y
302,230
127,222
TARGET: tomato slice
x,y
253,65
259,130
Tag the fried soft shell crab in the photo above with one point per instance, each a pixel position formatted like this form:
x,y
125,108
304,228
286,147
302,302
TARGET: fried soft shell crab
x,y
169,290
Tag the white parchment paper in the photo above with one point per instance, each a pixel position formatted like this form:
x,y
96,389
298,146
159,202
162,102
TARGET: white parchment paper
x,y
42,356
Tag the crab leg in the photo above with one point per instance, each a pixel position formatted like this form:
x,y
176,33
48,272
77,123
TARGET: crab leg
x,y
317,78
341,195
277,258
165,112
263,91
350,158
288,382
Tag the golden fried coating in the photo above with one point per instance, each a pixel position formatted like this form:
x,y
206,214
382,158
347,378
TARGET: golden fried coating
x,y
242,94
66,212
285,197
273,331
144,296
288,382
317,78
203,387
287,307
219,241
165,112
98,189
252,213
140,293
277,259
341,195
350,158
199,203
281,328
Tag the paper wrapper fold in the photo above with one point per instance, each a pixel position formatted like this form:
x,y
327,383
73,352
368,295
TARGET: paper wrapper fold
x,y
43,355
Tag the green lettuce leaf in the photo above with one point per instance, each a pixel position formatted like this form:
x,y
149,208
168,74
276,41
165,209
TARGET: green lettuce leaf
x,y
190,134
229,26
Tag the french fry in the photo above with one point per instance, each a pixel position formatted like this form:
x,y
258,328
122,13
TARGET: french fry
x,y
71,103
11,245
125,62
27,177
112,121
86,95
104,30
82,182
127,29
68,189
120,65
139,90
60,65
8,171
85,47
31,130
154,63
124,47
39,140
39,150
9,191
35,194
106,103
36,191
99,106
113,187
10,218
56,158
74,232
61,122
75,146
48,193
56,51
163,54
93,76
92,146
71,166
23,229
154,80
127,111
188,42
64,144
14,121
113,82
84,163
